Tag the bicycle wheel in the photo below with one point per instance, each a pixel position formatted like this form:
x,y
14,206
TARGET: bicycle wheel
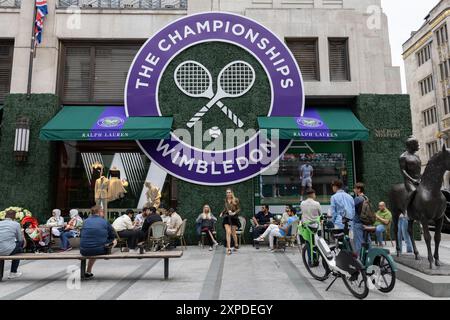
x,y
318,268
384,280
357,284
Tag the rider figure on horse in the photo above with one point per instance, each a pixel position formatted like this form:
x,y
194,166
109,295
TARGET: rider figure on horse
x,y
411,166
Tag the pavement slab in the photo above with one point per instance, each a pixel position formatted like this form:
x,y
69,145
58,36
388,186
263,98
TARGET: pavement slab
x,y
248,274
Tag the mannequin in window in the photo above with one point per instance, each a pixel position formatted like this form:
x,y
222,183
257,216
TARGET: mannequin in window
x,y
153,195
116,189
96,172
101,193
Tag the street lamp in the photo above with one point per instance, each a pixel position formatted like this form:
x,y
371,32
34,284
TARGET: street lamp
x,y
22,139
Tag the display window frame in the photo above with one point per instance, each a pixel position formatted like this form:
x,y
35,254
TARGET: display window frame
x,y
169,196
345,148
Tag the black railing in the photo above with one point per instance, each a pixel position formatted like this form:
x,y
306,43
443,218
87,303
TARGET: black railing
x,y
124,4
10,3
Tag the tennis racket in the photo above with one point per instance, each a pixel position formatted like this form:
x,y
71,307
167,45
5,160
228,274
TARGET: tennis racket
x,y
194,80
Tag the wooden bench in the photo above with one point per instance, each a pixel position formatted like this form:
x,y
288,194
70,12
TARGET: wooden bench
x,y
166,255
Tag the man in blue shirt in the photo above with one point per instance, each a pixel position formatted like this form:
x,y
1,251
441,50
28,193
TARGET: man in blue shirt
x,y
342,205
97,234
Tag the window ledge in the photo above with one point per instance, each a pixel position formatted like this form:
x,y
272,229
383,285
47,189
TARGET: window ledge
x,y
70,10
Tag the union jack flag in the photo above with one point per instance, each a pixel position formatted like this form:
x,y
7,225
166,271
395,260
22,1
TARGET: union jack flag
x,y
41,12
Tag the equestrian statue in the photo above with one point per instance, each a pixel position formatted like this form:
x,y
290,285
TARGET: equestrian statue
x,y
420,197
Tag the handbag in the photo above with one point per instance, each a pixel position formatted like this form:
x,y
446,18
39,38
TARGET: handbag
x,y
56,232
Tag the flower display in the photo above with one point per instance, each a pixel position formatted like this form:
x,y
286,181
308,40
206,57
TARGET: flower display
x,y
20,213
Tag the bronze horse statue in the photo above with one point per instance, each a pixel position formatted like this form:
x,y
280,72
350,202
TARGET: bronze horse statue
x,y
426,204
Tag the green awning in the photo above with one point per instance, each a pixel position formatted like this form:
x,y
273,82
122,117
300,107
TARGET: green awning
x,y
318,124
80,123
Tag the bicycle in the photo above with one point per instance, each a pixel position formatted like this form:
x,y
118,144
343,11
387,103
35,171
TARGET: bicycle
x,y
385,280
321,261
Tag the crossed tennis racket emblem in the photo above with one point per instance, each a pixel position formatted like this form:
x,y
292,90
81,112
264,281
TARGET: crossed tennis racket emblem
x,y
195,80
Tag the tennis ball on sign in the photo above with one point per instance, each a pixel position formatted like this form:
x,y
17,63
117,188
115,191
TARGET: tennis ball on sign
x,y
214,132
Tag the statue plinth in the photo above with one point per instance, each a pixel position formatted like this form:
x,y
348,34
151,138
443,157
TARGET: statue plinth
x,y
422,265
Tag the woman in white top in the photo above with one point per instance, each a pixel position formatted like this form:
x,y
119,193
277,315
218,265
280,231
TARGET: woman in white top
x,y
55,222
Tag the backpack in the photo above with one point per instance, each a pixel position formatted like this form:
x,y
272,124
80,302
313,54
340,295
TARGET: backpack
x,y
367,215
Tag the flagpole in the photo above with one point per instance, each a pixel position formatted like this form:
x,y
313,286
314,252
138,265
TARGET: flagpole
x,y
32,50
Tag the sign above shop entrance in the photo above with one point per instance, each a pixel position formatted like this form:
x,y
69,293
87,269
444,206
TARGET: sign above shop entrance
x,y
215,73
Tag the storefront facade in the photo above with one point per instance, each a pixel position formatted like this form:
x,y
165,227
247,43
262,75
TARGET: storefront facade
x,y
85,69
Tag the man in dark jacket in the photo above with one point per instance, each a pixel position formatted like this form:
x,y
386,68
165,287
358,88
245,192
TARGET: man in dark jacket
x,y
152,218
97,234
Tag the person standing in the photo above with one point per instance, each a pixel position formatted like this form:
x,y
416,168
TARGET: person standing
x,y
342,205
97,234
384,217
306,174
403,234
230,216
261,222
206,220
11,241
357,225
310,208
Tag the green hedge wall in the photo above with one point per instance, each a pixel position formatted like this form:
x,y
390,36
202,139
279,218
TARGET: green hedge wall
x,y
30,185
377,159
193,197
388,118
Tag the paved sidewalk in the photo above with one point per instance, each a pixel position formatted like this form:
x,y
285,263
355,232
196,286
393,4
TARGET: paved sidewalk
x,y
199,274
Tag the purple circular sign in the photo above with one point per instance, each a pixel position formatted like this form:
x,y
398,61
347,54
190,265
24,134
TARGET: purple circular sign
x,y
228,166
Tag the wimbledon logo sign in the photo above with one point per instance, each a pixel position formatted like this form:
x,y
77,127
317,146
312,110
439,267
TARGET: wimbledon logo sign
x,y
214,93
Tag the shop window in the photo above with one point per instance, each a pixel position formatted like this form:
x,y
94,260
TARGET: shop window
x,y
6,58
76,179
306,52
339,60
285,186
95,73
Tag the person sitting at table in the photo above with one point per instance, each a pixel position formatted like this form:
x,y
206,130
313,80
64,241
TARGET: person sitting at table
x,y
285,215
206,220
261,222
11,241
96,236
71,230
151,218
164,213
140,218
125,229
174,224
282,230
55,222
